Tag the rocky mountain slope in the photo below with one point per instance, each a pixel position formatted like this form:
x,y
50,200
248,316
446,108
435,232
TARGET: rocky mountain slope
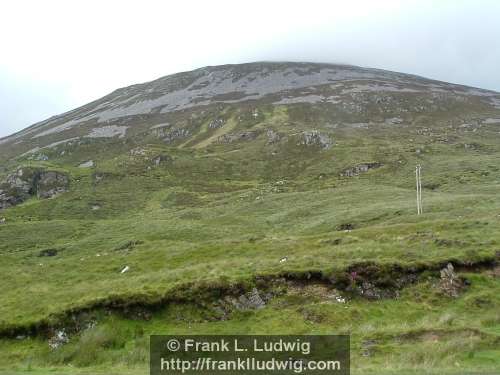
x,y
222,199
170,106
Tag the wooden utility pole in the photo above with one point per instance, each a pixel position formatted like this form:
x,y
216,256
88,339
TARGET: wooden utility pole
x,y
418,179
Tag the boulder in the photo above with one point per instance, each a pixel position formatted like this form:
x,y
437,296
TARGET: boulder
x,y
252,300
87,164
450,284
315,138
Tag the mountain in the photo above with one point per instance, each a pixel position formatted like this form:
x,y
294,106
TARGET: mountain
x,y
352,93
227,198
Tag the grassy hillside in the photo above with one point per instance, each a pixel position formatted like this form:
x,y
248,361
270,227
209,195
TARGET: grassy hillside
x,y
218,213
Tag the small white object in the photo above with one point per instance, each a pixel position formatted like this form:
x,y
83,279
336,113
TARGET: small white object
x,y
283,260
340,299
125,269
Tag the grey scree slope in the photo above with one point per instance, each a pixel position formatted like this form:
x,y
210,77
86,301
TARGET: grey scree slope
x,y
237,83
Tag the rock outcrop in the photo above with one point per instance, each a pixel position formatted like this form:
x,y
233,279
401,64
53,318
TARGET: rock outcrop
x,y
162,158
87,164
28,182
450,284
17,187
251,300
216,123
237,137
50,184
315,138
359,169
273,136
176,134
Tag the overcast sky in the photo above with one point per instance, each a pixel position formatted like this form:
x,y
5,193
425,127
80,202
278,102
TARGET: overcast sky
x,y
57,55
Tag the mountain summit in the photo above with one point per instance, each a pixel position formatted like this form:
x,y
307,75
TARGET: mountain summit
x,y
350,93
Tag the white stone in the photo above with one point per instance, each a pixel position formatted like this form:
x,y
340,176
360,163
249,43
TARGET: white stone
x,y
87,164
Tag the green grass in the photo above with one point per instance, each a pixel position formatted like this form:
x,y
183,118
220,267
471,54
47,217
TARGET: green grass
x,y
421,330
220,215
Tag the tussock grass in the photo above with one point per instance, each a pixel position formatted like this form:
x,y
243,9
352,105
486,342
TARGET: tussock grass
x,y
217,215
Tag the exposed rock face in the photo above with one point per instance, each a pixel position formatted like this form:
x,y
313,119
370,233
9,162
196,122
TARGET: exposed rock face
x,y
216,123
252,300
16,188
237,137
157,160
139,151
8,199
41,157
176,134
359,169
160,130
451,284
370,291
108,132
87,164
27,182
315,138
273,136
340,88
51,184
58,339
21,180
